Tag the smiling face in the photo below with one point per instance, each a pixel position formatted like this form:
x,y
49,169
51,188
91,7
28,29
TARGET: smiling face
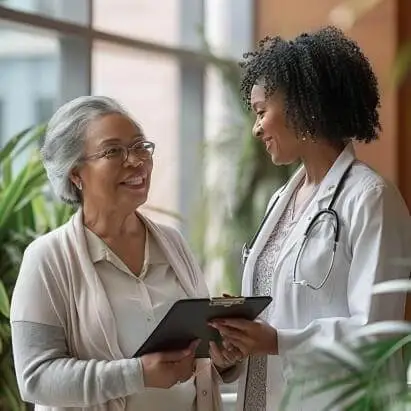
x,y
271,127
108,181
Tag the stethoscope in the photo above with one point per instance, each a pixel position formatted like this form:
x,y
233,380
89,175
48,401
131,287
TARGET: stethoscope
x,y
335,222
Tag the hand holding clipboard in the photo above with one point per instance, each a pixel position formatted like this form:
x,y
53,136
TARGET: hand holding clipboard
x,y
165,369
247,337
241,337
189,320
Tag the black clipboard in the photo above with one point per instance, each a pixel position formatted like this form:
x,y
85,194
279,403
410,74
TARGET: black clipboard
x,y
187,320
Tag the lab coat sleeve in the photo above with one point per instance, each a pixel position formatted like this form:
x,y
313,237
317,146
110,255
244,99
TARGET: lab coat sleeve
x,y
379,234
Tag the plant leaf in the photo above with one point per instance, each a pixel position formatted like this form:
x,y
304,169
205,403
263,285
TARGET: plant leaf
x,y
351,392
346,380
12,144
17,189
341,353
380,327
4,301
393,286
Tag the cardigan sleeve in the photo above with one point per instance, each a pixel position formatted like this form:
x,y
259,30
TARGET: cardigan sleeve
x,y
46,372
48,375
37,295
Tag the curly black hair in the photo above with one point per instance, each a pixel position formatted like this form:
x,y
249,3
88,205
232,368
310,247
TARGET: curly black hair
x,y
329,87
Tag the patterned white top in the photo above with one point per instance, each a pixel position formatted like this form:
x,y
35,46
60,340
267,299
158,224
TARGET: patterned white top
x,y
255,395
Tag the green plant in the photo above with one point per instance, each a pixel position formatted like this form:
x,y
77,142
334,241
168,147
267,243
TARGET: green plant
x,y
367,371
240,205
24,214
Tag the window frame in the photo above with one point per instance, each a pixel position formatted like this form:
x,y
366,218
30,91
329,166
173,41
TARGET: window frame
x,y
76,41
75,77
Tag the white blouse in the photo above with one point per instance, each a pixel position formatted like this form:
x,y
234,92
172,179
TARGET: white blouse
x,y
139,303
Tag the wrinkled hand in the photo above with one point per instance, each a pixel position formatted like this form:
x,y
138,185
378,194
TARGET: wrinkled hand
x,y
225,356
249,337
165,369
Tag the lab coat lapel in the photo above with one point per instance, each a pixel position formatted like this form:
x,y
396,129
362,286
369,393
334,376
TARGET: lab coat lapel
x,y
322,199
334,175
283,199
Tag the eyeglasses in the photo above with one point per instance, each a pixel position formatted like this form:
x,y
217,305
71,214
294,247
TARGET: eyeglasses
x,y
143,150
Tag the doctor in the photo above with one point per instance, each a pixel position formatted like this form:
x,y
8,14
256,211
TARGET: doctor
x,y
333,230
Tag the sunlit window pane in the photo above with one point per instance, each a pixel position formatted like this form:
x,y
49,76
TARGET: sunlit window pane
x,y
28,80
147,85
143,19
76,11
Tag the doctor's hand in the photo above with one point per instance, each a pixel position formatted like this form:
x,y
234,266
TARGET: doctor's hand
x,y
165,369
249,337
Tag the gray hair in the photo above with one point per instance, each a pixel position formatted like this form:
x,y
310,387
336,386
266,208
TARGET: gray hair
x,y
63,143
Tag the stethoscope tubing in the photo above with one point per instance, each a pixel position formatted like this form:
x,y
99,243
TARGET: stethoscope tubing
x,y
337,231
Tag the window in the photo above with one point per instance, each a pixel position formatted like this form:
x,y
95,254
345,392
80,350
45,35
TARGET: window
x,y
44,108
144,53
143,19
74,11
46,7
28,72
147,85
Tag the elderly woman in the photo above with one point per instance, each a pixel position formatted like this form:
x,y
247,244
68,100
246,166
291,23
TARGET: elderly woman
x,y
90,292
333,231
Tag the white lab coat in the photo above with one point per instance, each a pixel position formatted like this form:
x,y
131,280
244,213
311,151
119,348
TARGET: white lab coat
x,y
375,230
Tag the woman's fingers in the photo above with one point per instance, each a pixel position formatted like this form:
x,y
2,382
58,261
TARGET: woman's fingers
x,y
230,357
228,346
223,358
176,356
232,333
216,354
236,338
233,352
243,348
241,344
236,323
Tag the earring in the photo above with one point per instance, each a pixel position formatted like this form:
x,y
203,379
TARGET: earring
x,y
307,134
79,185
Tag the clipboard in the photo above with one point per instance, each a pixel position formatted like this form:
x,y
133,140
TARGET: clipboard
x,y
187,320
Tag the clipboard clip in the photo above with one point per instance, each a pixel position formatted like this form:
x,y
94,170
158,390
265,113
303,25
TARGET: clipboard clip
x,y
226,302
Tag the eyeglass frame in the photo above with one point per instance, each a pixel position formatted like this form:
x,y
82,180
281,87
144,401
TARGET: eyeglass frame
x,y
125,150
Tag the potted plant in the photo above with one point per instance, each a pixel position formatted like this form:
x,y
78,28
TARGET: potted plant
x,y
25,213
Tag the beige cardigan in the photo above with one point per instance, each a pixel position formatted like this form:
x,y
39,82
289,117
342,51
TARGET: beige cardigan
x,y
76,292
